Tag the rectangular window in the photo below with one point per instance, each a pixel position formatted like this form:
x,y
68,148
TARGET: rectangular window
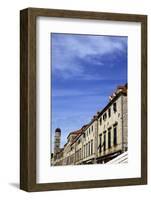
x,y
109,112
104,141
86,149
101,121
92,127
83,152
114,107
109,138
100,147
77,156
91,147
104,117
80,154
115,135
69,160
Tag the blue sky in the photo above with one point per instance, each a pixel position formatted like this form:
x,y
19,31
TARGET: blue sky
x,y
85,71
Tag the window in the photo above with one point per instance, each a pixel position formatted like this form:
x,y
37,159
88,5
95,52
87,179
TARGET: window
x,y
104,141
91,147
115,135
92,127
83,152
69,160
80,154
100,146
109,138
109,112
57,139
104,116
86,149
114,107
101,121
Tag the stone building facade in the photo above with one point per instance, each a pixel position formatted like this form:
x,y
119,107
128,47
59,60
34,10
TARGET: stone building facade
x,y
99,141
112,127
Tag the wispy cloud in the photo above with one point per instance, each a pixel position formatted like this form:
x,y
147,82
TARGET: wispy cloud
x,y
71,52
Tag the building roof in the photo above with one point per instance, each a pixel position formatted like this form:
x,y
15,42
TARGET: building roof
x,y
92,120
77,132
65,144
121,90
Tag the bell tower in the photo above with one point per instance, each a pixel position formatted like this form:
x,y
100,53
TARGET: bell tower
x,y
57,140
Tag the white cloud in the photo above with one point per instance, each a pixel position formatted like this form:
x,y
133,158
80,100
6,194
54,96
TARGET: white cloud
x,y
67,49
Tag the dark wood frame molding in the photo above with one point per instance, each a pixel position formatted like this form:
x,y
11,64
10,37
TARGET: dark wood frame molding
x,y
28,98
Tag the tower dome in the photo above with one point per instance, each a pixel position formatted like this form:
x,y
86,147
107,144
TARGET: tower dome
x,y
58,130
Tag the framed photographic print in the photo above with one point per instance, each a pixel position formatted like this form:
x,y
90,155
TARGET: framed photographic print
x,y
83,99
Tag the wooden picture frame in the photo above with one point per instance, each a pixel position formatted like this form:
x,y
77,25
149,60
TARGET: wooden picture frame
x,y
28,98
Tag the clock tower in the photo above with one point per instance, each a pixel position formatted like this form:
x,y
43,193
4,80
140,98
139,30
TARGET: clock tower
x,y
57,140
